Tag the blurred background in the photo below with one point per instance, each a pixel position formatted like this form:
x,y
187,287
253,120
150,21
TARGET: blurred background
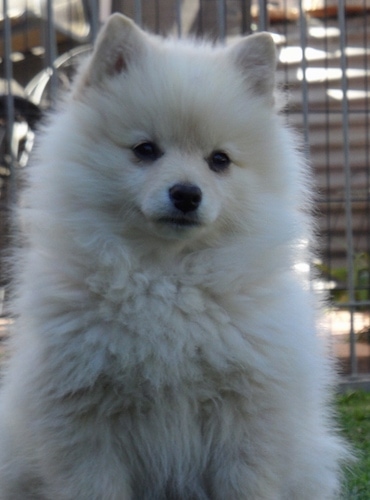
x,y
324,69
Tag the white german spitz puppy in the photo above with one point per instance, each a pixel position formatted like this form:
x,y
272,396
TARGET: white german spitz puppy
x,y
164,345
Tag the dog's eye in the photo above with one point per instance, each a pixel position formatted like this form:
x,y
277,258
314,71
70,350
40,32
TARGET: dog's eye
x,y
218,161
147,151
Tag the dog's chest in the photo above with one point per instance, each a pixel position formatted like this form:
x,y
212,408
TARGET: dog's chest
x,y
170,333
164,308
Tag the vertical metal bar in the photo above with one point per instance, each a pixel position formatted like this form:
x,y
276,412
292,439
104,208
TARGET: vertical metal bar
x,y
366,64
51,49
221,19
246,26
347,176
262,16
178,18
8,67
138,12
94,16
303,43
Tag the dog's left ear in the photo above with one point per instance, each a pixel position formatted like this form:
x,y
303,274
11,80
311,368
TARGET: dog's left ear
x,y
256,56
119,42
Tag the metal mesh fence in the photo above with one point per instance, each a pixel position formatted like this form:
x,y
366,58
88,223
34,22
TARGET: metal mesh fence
x,y
323,67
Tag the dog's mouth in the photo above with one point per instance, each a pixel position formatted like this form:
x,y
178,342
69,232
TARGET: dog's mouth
x,y
180,222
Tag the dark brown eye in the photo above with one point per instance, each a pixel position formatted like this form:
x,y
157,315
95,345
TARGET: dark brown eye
x,y
218,161
147,151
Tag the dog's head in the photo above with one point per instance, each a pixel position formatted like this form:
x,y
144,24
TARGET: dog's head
x,y
178,130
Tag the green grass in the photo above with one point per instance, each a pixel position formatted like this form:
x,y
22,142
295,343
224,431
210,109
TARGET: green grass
x,y
354,414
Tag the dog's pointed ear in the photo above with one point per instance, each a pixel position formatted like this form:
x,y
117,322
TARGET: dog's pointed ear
x,y
118,43
256,56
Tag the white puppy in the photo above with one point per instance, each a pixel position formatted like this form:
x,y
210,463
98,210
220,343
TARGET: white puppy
x,y
165,345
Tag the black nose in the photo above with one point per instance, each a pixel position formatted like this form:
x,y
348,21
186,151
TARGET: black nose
x,y
185,197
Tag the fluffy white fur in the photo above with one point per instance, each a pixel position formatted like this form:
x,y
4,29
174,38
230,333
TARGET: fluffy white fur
x,y
154,360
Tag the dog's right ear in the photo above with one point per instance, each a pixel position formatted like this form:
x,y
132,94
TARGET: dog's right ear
x,y
118,43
